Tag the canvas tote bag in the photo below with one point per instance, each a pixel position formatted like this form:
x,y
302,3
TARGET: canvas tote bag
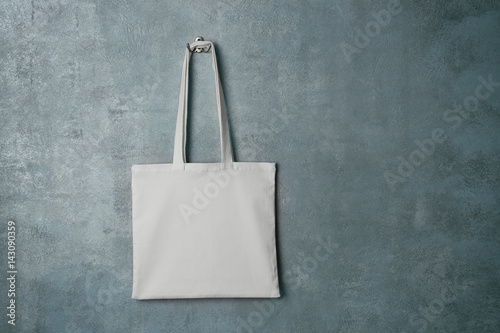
x,y
203,230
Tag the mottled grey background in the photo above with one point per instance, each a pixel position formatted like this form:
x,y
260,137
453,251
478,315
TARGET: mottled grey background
x,y
89,88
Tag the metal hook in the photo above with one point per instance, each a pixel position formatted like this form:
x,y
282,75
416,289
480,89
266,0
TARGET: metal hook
x,y
198,49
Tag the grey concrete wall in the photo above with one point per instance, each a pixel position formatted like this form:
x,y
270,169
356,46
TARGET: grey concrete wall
x,y
386,134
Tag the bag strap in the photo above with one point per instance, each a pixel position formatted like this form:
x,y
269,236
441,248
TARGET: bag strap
x,y
180,129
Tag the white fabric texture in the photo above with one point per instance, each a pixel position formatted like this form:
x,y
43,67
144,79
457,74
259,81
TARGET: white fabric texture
x,y
203,230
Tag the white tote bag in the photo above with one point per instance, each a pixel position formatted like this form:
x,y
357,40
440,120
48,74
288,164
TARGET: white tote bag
x,y
203,230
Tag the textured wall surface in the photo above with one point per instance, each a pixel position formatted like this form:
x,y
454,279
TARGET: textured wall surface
x,y
382,118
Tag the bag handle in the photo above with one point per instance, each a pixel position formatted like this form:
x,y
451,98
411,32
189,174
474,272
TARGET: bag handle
x,y
180,129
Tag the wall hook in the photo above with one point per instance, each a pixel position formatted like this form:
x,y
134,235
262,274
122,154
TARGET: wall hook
x,y
198,49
